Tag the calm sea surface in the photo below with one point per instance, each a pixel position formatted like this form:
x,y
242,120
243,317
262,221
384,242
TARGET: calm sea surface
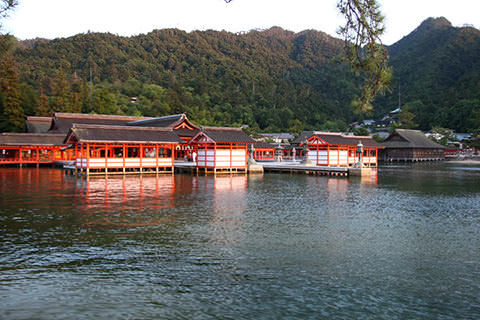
x,y
402,245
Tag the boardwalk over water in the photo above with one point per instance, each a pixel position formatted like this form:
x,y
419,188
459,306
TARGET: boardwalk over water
x,y
276,167
297,167
289,167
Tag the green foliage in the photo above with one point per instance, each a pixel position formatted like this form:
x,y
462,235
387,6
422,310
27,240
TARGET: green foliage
x,y
43,109
377,137
272,80
361,131
364,50
436,68
406,117
13,116
442,135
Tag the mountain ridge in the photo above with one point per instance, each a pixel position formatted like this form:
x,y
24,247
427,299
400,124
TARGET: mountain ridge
x,y
272,80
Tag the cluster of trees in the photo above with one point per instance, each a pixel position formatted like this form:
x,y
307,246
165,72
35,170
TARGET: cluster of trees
x,y
436,76
271,80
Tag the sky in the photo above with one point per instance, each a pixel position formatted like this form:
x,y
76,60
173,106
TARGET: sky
x,y
64,18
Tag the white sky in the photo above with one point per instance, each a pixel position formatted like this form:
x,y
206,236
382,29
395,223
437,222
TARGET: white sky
x,y
63,18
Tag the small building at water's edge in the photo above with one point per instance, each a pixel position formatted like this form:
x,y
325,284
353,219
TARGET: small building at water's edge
x,y
224,149
411,145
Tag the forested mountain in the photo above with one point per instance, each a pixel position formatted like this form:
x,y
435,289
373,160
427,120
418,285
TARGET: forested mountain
x,y
272,80
437,68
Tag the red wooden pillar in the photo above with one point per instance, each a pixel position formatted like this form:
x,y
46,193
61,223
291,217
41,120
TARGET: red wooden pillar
x,y
215,155
106,158
328,155
123,157
88,158
231,154
141,158
156,157
246,154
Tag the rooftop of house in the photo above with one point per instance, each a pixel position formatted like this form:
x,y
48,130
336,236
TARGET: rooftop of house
x,y
405,138
224,135
41,139
38,124
121,134
62,122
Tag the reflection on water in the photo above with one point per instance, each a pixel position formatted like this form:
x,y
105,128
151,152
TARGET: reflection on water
x,y
403,244
107,200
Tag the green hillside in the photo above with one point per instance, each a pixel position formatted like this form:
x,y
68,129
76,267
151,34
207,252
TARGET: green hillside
x,y
272,80
438,69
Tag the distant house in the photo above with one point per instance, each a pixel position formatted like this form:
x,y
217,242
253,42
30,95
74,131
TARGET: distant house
x,y
277,137
462,136
411,145
368,122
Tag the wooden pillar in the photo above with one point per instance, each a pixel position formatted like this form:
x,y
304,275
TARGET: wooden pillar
x,y
141,158
106,159
328,155
156,158
123,157
231,155
88,159
215,158
172,156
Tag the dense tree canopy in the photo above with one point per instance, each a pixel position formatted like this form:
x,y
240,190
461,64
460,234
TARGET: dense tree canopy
x,y
271,80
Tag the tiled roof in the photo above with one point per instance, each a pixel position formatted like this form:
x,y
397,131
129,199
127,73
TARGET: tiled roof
x,y
62,122
337,138
122,134
264,145
32,139
186,132
226,135
38,124
163,122
404,138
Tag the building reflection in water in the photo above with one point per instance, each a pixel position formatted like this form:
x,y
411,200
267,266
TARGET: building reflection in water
x,y
127,201
229,205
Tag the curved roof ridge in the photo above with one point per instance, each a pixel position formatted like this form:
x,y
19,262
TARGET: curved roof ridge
x,y
220,128
102,126
97,116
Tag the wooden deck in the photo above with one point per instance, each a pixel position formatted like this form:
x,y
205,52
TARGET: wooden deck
x,y
190,167
296,167
289,167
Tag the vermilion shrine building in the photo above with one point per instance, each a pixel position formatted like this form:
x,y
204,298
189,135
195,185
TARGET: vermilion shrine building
x,y
107,144
221,149
120,149
336,149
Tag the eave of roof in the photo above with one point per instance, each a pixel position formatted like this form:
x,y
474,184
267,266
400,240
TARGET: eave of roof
x,y
31,139
106,134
